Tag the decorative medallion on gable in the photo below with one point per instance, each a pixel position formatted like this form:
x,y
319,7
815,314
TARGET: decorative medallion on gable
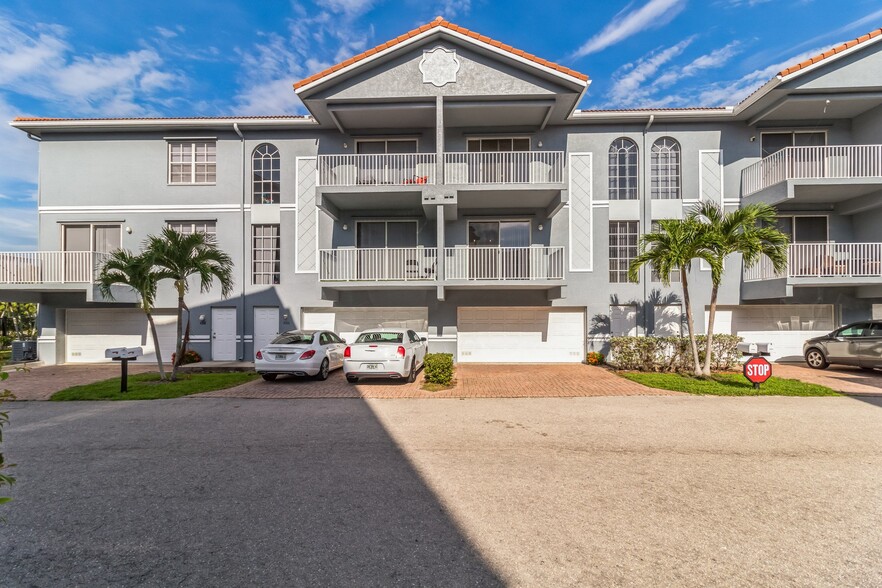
x,y
439,66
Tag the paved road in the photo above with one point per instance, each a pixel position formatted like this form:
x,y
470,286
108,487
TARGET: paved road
x,y
639,491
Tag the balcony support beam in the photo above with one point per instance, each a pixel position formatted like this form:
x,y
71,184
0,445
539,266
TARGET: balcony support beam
x,y
327,206
439,242
439,138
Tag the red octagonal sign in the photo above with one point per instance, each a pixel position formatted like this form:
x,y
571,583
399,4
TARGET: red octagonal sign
x,y
757,370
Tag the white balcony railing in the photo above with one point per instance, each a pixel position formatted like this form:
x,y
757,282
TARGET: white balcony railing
x,y
831,161
823,260
50,267
514,167
504,263
405,169
405,264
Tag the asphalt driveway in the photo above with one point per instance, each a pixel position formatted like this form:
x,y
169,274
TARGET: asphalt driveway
x,y
647,491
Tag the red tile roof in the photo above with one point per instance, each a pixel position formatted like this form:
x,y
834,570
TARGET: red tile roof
x,y
439,22
829,53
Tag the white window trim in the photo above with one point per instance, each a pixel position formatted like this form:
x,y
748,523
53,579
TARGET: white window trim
x,y
278,250
497,137
279,156
193,143
193,223
92,226
723,201
609,258
639,183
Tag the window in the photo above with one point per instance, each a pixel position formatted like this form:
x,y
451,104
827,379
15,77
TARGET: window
x,y
499,233
623,170
803,229
385,161
209,227
774,142
665,180
856,330
294,338
192,162
654,275
622,249
91,237
383,234
499,145
265,247
265,174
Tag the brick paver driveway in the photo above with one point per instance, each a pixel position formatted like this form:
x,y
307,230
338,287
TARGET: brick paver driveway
x,y
473,381
42,382
844,379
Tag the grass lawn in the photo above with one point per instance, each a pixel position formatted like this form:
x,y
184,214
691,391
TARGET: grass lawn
x,y
148,386
728,384
5,356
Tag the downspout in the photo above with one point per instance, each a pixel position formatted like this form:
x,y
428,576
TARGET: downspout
x,y
647,214
245,240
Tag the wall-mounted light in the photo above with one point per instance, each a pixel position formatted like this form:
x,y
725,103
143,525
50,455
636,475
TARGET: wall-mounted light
x,y
284,318
345,227
129,230
201,319
540,144
345,145
753,138
540,227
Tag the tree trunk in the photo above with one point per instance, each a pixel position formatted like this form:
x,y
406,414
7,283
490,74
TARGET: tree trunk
x,y
696,363
178,341
710,330
156,345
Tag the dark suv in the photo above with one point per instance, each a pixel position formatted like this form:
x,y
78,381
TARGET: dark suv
x,y
857,344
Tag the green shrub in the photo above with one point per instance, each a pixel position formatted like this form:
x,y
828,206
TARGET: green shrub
x,y
439,368
671,354
594,358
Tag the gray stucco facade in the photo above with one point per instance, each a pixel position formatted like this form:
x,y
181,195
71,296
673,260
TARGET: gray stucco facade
x,y
116,173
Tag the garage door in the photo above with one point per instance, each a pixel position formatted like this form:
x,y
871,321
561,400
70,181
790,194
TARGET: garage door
x,y
348,322
90,331
520,335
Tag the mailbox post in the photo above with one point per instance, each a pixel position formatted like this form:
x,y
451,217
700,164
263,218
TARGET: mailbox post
x,y
124,355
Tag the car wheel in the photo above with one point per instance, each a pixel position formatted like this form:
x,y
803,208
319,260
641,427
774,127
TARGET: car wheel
x,y
352,379
268,377
324,370
815,359
411,376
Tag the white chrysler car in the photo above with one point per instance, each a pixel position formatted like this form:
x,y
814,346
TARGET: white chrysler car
x,y
385,353
301,353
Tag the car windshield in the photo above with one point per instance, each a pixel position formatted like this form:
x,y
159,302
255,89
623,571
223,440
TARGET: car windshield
x,y
293,339
380,338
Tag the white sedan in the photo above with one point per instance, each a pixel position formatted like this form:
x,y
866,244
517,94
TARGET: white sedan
x,y
301,353
385,353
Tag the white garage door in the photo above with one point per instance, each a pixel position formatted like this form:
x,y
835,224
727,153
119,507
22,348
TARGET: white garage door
x,y
520,335
90,331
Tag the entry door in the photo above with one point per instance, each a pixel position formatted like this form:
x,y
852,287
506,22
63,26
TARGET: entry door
x,y
382,244
266,325
223,334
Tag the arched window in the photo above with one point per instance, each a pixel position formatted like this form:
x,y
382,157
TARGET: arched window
x,y
623,170
665,178
266,173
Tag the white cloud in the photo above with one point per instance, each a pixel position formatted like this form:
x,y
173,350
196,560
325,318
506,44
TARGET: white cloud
x,y
628,82
18,228
37,62
714,59
453,8
652,15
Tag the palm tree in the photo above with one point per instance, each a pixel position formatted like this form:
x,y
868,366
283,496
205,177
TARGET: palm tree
x,y
177,257
136,272
672,248
749,231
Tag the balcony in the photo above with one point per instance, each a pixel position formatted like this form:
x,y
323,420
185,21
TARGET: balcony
x,y
388,267
818,264
408,169
514,266
506,168
821,174
49,267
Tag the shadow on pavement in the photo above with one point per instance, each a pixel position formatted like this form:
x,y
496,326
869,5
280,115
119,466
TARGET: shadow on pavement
x,y
222,492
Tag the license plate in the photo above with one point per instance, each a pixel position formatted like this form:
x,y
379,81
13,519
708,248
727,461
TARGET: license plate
x,y
372,366
280,356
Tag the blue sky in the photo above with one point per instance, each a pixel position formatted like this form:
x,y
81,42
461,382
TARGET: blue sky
x,y
69,58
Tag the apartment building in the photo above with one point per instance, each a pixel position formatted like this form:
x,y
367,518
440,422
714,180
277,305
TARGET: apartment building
x,y
447,182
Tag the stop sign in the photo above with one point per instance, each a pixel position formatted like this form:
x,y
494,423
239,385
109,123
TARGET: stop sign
x,y
757,370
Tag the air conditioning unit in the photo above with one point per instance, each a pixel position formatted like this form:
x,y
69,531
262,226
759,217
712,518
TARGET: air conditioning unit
x,y
24,351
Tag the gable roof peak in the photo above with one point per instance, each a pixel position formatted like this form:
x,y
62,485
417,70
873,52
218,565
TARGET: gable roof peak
x,y
440,23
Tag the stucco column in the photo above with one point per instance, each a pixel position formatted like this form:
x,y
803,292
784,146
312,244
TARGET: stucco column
x,y
439,139
439,240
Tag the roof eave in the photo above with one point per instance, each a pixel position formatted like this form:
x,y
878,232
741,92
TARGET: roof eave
x,y
146,124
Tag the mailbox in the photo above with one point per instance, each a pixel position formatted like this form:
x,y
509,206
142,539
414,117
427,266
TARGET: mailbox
x,y
756,348
123,352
